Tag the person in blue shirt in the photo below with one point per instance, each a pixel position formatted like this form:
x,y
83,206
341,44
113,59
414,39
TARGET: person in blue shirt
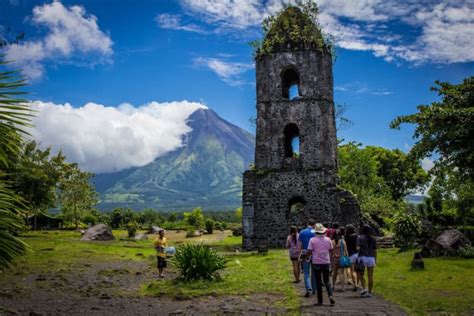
x,y
303,239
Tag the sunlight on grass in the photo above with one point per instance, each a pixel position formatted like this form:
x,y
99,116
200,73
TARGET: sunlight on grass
x,y
446,284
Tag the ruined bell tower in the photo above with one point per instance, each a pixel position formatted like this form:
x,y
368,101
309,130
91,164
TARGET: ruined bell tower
x,y
295,173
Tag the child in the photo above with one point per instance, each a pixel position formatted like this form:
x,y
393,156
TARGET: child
x,y
294,251
160,244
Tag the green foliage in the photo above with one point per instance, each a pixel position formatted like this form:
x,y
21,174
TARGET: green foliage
x,y
209,226
294,28
194,218
407,228
132,228
446,127
238,214
466,252
89,218
116,218
198,262
379,177
14,118
77,194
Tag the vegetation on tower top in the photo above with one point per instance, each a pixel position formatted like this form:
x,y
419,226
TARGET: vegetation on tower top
x,y
294,28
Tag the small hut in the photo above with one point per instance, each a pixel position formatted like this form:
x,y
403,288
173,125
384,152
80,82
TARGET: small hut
x,y
44,221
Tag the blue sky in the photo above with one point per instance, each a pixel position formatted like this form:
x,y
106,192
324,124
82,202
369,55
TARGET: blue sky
x,y
113,52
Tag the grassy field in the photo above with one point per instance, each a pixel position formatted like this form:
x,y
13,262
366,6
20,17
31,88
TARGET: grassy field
x,y
446,284
246,273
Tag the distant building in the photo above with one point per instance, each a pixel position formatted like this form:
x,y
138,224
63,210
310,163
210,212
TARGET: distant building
x,y
295,173
44,221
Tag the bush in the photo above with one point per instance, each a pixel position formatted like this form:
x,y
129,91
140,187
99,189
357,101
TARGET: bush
x,y
466,252
407,228
209,226
89,219
198,262
132,228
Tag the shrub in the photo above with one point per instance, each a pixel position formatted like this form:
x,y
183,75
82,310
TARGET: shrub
x,y
209,226
132,228
89,219
407,228
198,262
466,252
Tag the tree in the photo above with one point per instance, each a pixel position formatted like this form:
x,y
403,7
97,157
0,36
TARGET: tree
x,y
446,128
194,218
116,218
238,214
400,172
35,176
77,195
14,118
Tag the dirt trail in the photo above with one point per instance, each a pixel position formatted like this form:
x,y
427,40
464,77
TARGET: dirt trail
x,y
112,288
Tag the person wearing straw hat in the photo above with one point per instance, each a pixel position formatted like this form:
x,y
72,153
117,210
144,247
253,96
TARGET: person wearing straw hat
x,y
320,247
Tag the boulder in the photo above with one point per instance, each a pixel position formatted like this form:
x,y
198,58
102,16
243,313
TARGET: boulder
x,y
140,237
193,233
99,232
237,231
446,244
155,229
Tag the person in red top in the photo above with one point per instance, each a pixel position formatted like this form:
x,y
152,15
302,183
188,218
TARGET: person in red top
x,y
320,247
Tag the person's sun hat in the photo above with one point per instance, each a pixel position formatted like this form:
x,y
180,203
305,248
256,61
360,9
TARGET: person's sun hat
x,y
319,228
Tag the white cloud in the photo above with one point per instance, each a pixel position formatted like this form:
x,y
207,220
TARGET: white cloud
x,y
440,31
72,35
173,22
229,72
106,139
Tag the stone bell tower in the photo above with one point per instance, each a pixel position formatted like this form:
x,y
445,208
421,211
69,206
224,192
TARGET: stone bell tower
x,y
295,172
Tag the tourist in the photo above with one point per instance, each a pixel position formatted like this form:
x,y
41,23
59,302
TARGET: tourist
x,y
351,243
339,249
160,245
303,239
320,247
294,250
367,248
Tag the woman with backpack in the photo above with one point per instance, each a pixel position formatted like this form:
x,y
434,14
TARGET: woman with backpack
x,y
367,248
294,251
340,258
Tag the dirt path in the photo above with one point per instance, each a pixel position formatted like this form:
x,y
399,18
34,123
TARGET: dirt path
x,y
348,303
112,288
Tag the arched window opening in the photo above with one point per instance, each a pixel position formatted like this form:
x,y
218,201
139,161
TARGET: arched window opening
x,y
290,84
292,141
296,204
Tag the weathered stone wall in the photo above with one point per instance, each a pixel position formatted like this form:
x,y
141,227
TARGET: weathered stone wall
x,y
310,177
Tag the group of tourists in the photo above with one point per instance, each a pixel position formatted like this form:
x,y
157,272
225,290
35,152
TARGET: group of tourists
x,y
319,251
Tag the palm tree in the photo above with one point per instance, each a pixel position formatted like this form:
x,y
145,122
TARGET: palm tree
x,y
15,117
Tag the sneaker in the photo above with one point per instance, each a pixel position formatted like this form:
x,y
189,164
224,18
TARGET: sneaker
x,y
367,295
332,301
354,289
308,293
363,292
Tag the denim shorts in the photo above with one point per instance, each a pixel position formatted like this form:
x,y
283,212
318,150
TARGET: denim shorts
x,y
369,262
353,258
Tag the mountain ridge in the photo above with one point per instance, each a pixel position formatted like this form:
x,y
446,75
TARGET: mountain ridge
x,y
206,171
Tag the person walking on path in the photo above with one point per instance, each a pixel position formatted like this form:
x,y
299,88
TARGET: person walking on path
x,y
367,247
160,245
339,250
351,243
294,250
303,240
320,247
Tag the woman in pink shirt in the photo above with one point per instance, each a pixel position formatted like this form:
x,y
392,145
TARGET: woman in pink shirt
x,y
320,247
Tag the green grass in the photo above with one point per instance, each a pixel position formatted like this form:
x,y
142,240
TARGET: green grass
x,y
55,250
245,274
446,284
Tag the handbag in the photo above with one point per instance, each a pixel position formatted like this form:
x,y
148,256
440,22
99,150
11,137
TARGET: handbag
x,y
344,261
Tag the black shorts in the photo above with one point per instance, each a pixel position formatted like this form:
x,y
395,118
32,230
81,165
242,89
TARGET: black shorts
x,y
161,263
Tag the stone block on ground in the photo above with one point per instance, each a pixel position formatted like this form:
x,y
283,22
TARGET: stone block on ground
x,y
100,232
